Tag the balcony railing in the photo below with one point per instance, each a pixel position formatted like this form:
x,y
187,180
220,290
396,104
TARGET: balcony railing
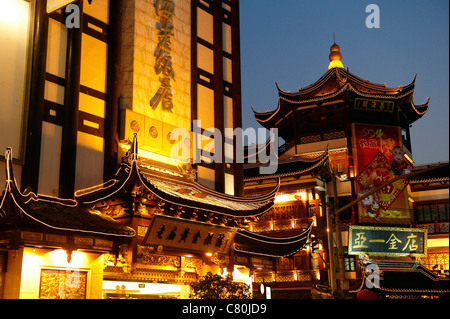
x,y
313,138
435,228
279,225
286,276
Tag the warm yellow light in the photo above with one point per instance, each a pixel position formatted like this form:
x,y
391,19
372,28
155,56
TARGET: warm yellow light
x,y
225,273
209,254
335,64
159,158
281,198
53,5
302,195
59,257
408,159
13,12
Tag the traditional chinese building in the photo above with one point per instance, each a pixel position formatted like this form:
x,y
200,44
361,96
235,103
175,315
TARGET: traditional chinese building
x,y
429,193
358,134
184,229
53,248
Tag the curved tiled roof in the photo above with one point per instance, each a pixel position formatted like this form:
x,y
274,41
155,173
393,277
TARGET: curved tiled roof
x,y
257,244
402,277
54,213
438,175
292,167
178,190
332,86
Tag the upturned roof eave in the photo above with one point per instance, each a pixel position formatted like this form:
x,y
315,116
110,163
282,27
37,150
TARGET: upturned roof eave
x,y
344,78
130,172
286,105
256,244
316,163
54,214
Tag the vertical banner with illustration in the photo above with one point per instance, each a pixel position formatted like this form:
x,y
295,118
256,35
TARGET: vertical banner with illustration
x,y
379,157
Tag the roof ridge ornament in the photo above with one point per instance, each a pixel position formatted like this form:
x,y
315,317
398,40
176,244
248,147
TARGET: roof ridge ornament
x,y
132,154
278,87
187,170
335,56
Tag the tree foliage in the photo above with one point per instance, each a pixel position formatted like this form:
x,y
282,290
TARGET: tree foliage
x,y
217,287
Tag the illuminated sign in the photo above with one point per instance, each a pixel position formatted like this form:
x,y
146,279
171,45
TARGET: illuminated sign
x,y
379,157
387,241
372,105
165,10
156,89
179,234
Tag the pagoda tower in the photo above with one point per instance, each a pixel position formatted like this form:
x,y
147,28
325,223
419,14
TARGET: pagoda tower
x,y
343,136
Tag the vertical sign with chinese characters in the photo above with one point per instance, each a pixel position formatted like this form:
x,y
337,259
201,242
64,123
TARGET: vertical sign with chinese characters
x,y
387,241
165,10
379,157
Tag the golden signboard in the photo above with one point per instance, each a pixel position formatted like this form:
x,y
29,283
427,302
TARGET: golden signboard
x,y
373,105
156,97
165,10
387,241
186,235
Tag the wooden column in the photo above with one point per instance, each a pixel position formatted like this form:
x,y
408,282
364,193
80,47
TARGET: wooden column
x,y
30,170
218,93
194,72
71,103
114,73
237,93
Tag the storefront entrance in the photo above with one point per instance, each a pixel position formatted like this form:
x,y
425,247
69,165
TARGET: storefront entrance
x,y
143,290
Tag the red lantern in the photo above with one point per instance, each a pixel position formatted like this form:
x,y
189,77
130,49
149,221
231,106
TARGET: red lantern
x,y
366,294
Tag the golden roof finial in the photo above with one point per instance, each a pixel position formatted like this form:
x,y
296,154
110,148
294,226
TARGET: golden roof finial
x,y
335,55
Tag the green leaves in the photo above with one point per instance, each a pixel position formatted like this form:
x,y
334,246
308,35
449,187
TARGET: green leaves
x,y
217,287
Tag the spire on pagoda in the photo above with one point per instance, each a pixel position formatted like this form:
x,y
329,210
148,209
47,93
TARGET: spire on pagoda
x,y
335,57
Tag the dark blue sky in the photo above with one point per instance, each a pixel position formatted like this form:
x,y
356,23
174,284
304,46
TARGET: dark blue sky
x,y
288,41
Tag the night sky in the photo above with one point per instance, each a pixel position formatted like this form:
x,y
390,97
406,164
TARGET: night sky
x,y
288,42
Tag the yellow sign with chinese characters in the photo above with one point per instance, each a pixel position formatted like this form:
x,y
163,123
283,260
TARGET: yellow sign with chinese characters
x,y
387,241
156,83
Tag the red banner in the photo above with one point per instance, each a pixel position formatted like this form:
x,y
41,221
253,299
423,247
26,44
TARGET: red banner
x,y
379,157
